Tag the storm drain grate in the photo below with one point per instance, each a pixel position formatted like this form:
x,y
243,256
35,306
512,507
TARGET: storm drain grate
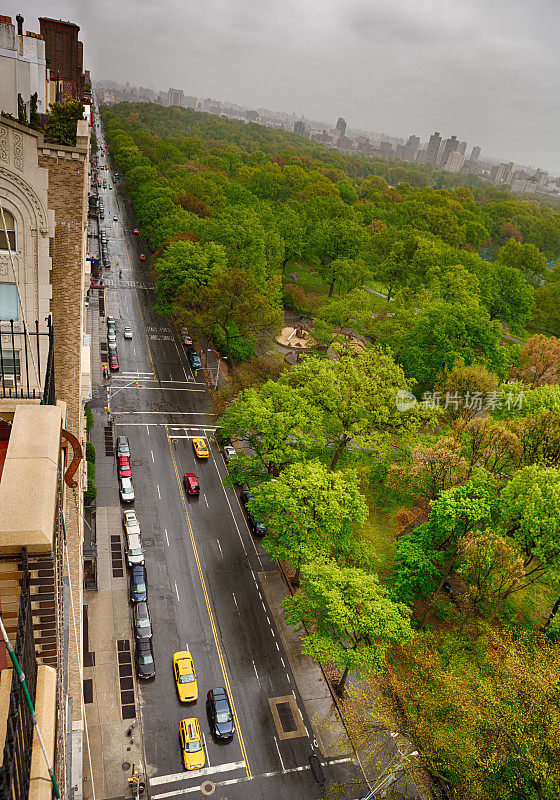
x,y
128,708
108,440
88,690
286,717
116,558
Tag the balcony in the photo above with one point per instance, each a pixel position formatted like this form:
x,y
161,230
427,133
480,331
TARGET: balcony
x,y
27,360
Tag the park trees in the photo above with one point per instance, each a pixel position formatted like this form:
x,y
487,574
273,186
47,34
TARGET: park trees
x,y
308,511
276,423
348,617
356,395
186,262
539,361
446,333
230,304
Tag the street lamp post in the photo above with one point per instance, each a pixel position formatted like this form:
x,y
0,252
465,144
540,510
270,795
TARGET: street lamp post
x,y
220,359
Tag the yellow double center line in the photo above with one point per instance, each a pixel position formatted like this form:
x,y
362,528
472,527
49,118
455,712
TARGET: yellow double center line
x,y
209,608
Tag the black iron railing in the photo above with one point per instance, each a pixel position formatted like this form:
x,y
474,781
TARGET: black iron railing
x,y
16,765
20,355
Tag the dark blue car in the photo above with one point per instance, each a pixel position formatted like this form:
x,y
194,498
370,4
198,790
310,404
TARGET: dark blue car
x,y
138,585
219,713
194,358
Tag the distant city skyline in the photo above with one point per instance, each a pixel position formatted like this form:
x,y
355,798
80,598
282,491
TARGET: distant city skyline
x,y
485,71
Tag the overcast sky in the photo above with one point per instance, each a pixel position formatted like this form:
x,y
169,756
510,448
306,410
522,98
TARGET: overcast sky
x,y
486,70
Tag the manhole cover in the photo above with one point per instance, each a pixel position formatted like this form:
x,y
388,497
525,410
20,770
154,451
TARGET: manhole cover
x,y
208,788
125,766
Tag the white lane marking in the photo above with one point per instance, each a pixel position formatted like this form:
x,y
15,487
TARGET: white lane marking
x,y
181,776
263,605
276,643
235,600
164,388
166,536
283,664
232,514
148,430
152,452
220,548
177,592
279,754
269,622
205,500
256,673
206,751
158,491
289,681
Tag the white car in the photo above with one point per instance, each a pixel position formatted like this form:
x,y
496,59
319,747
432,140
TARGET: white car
x,y
126,490
130,521
185,338
115,219
127,333
230,453
134,552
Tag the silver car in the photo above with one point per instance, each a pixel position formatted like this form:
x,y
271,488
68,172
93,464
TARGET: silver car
x,y
127,333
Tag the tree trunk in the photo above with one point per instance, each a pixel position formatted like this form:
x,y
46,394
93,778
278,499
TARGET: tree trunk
x,y
338,453
339,688
331,289
295,579
284,266
552,614
438,589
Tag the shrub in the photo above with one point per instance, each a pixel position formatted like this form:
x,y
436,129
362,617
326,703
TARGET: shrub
x,y
89,418
91,491
90,453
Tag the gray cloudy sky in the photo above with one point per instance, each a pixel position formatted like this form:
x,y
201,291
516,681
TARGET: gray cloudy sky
x,y
486,70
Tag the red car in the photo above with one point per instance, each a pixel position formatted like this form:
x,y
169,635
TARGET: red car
x,y
113,363
124,467
191,483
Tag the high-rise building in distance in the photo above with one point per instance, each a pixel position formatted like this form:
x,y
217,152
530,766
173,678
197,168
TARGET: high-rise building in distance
x,y
450,146
341,126
299,127
433,148
475,156
175,97
410,149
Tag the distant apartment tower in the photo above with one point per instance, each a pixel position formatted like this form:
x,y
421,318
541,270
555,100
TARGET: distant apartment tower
x,y
433,148
454,161
475,156
504,173
65,56
341,126
541,177
410,150
450,146
175,97
299,127
462,148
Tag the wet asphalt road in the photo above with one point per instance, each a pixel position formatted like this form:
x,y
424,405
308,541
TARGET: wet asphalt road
x,y
202,561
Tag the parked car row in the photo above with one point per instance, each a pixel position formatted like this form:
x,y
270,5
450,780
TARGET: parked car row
x,y
192,355
112,344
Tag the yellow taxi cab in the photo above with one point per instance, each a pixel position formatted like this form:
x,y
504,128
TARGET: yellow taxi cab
x,y
191,743
200,448
136,231
185,676
142,257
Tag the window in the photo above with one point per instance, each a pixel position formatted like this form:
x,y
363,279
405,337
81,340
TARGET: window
x,y
8,363
9,306
11,227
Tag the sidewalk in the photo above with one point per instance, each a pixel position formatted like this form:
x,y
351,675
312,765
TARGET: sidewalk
x,y
109,676
325,719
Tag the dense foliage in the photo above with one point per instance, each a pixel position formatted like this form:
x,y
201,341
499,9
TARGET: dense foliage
x,y
428,273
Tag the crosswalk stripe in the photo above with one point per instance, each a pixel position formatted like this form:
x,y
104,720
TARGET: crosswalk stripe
x,y
158,780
